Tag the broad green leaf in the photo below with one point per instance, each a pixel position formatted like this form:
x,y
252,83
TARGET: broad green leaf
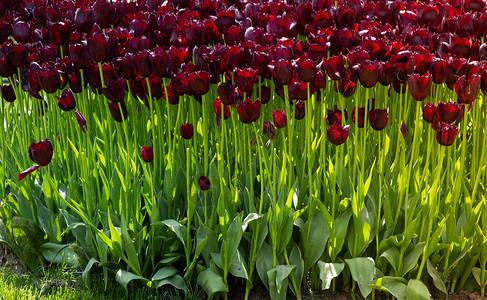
x,y
164,273
416,290
238,266
56,253
437,280
411,260
177,228
264,263
392,255
435,238
176,281
318,236
211,282
282,272
124,277
296,259
396,286
86,271
362,271
328,271
129,248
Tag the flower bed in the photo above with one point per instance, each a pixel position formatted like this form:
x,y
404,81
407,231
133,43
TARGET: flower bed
x,y
221,143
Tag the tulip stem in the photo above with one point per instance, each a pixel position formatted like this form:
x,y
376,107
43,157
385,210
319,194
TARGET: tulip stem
x,y
290,135
101,75
168,111
205,132
308,137
153,128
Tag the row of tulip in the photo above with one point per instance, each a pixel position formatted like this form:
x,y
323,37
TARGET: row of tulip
x,y
214,143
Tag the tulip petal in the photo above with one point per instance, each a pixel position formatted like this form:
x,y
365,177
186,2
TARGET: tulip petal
x,y
26,172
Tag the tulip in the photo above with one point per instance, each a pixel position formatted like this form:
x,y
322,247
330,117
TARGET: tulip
x,y
81,120
18,55
7,93
306,70
142,63
115,90
337,134
147,154
445,134
58,32
41,152
226,92
448,112
217,105
430,111
269,129
347,85
280,118
66,102
361,116
419,86
245,78
368,74
199,82
118,115
186,131
84,19
48,79
204,183
248,111
161,63
467,89
79,55
404,130
21,32
299,110
334,116
98,47
282,71
378,118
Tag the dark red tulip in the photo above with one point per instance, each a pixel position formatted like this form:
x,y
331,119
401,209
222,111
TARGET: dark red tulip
x,y
79,55
200,82
21,32
260,61
125,66
467,89
204,183
49,79
306,70
18,55
248,111
84,19
26,172
142,63
404,130
445,134
280,118
265,92
319,82
334,116
337,134
66,102
161,63
344,40
361,116
41,152
7,93
81,120
98,46
115,90
299,110
245,78
368,74
186,131
147,154
233,35
226,92
269,129
282,71
346,86
334,66
378,118
118,115
448,112
437,69
58,32
217,105
103,13
430,112
419,86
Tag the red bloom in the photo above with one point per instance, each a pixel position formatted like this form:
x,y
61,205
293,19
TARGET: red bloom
x,y
448,112
334,116
368,74
280,118
430,111
337,134
306,70
419,86
445,134
200,82
118,115
361,116
378,118
66,102
217,105
467,89
204,183
147,154
186,131
282,71
245,78
41,152
299,110
248,111
269,129
98,47
7,93
81,120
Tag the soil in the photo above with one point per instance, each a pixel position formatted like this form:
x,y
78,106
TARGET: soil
x,y
9,260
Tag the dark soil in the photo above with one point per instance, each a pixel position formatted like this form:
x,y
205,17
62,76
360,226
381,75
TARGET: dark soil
x,y
9,260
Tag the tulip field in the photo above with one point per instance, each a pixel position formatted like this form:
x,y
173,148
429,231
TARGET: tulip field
x,y
221,146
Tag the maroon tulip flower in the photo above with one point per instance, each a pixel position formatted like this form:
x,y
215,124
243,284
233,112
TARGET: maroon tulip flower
x,y
118,115
282,71
217,105
368,74
49,79
200,82
430,112
445,134
58,32
378,118
361,116
337,134
245,78
307,70
334,66
81,120
186,131
66,102
79,55
21,32
334,116
7,93
115,90
41,154
84,19
204,183
98,47
161,63
404,130
269,129
280,118
147,154
226,92
142,63
419,86
448,112
467,89
299,110
248,111
18,55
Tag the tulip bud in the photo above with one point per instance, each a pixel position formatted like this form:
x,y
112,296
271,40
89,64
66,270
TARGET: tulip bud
x,y
204,183
81,120
147,154
186,131
403,129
